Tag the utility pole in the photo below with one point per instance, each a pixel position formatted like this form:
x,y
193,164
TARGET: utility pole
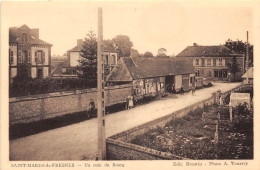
x,y
100,93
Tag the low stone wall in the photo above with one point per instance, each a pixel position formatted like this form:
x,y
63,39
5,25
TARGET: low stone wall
x,y
37,107
119,148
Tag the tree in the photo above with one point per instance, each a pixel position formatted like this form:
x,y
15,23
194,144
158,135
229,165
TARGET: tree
x,y
123,45
239,47
89,56
134,53
148,54
109,45
162,53
234,66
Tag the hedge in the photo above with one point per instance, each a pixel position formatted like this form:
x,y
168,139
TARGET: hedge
x,y
24,87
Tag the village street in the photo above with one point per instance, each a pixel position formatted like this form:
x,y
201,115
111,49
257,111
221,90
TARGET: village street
x,y
79,141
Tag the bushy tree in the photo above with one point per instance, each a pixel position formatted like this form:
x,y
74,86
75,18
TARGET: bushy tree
x,y
234,66
134,53
123,45
89,56
162,53
148,54
239,47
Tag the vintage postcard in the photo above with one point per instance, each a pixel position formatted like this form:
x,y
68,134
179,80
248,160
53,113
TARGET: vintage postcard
x,y
129,84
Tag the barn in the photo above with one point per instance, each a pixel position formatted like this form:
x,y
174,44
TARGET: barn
x,y
151,76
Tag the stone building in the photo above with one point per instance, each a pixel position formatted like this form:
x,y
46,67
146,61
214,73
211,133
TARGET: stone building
x,y
212,61
150,76
110,59
29,56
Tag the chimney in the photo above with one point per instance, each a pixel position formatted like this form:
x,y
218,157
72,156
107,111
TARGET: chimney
x,y
79,42
195,44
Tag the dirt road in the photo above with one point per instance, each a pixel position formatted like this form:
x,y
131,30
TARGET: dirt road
x,y
78,141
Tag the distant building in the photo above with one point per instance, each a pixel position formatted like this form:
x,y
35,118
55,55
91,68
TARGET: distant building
x,y
28,55
212,61
153,75
248,77
72,65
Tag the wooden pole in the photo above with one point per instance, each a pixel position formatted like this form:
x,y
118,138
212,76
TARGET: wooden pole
x,y
100,94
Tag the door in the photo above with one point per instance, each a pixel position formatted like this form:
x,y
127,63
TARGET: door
x,y
39,73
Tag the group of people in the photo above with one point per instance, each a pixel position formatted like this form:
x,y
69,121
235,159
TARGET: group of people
x,y
129,102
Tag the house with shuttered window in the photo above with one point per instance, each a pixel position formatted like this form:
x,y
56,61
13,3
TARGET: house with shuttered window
x,y
29,56
212,61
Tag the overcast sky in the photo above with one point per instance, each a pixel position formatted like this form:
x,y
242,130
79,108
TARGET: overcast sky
x,y
150,25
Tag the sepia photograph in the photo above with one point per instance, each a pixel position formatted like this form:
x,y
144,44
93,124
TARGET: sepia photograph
x,y
95,84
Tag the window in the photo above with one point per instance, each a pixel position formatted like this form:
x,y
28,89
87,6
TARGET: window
x,y
11,56
113,59
215,73
208,62
225,74
197,61
106,62
24,37
39,57
220,62
197,73
20,60
190,80
29,57
63,70
220,73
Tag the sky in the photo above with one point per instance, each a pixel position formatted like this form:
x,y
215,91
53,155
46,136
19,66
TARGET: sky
x,y
151,25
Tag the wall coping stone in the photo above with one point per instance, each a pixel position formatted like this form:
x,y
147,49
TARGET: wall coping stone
x,y
63,93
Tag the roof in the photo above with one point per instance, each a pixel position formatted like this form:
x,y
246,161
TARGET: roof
x,y
78,48
206,51
240,96
59,66
249,73
130,68
33,38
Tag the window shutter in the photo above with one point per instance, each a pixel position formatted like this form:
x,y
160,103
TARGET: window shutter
x,y
43,57
35,57
29,57
19,56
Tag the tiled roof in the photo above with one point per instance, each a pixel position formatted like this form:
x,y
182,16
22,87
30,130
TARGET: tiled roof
x,y
78,48
58,69
129,68
198,51
14,36
249,73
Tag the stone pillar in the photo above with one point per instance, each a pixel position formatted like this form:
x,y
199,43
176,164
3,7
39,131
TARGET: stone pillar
x,y
230,113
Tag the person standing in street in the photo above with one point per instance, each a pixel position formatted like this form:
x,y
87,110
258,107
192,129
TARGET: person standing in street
x,y
131,102
91,108
182,91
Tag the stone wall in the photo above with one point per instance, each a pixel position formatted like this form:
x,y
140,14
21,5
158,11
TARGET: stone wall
x,y
119,148
38,107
